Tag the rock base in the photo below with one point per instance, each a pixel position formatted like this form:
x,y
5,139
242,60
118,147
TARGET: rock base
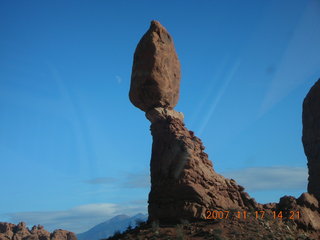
x,y
183,183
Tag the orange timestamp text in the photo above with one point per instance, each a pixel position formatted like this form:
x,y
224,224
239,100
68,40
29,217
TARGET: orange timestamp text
x,y
215,214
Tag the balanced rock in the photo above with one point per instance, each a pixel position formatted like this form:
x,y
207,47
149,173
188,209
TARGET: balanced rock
x,y
155,78
184,185
311,137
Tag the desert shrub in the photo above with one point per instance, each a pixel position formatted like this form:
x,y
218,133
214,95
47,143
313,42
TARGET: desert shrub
x,y
155,227
179,232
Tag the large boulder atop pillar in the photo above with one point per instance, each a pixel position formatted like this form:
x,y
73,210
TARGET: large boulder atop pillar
x,y
311,137
155,78
183,182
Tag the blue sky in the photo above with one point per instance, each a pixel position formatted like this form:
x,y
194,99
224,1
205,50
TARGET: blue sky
x,y
74,151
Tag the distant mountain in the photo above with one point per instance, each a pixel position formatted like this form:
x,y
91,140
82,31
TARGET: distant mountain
x,y
109,227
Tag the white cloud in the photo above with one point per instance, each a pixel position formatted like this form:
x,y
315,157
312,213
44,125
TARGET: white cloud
x,y
77,219
270,178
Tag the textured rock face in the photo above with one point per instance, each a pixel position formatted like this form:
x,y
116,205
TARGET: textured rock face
x,y
155,77
9,231
184,185
63,234
311,137
183,182
308,208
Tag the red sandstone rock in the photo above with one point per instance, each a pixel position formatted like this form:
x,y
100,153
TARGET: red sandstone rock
x,y
62,234
6,230
309,201
9,231
183,182
311,137
306,205
155,78
40,232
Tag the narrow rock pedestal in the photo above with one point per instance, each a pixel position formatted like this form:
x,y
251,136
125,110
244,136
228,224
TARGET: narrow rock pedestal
x,y
184,185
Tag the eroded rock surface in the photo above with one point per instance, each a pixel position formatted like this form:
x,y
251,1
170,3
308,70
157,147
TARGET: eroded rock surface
x,y
184,185
311,137
155,78
304,211
9,231
183,182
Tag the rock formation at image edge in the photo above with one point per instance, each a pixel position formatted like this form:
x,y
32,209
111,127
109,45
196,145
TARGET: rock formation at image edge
x,y
9,231
311,137
183,182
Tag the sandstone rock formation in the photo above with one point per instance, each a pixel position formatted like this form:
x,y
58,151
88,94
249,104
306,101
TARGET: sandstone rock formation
x,y
306,206
155,78
9,231
183,182
311,137
288,226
